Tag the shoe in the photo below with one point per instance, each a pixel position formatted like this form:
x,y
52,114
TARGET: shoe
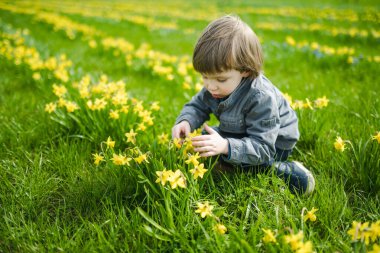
x,y
299,178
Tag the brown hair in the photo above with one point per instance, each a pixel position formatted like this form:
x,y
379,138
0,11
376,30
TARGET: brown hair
x,y
228,43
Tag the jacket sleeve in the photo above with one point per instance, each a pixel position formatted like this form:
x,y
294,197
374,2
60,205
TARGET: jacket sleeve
x,y
263,124
196,112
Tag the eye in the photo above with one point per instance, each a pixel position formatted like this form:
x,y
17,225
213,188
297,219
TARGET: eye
x,y
221,80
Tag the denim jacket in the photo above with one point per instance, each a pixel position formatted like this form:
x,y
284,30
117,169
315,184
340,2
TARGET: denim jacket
x,y
256,111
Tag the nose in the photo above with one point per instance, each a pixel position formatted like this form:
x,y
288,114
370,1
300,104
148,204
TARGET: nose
x,y
210,85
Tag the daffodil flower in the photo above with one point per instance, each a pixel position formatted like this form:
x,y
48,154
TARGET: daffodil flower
x,y
163,138
141,158
110,143
163,176
376,137
269,237
204,209
339,144
193,159
198,171
310,215
220,228
50,107
120,159
294,240
98,158
131,136
177,179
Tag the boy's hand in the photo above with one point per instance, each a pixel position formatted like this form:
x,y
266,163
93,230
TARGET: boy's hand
x,y
181,130
210,144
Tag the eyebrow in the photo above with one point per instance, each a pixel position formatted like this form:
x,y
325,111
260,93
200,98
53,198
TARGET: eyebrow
x,y
216,76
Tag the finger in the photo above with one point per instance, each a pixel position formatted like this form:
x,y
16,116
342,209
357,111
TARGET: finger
x,y
209,130
175,134
203,149
186,131
199,143
200,138
206,154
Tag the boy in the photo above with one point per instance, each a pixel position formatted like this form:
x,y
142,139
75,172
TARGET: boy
x,y
257,127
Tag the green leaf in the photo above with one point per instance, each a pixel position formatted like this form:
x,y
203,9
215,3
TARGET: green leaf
x,y
151,221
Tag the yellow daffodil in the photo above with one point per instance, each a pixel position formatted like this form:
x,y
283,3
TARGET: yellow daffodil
x,y
193,159
141,158
288,98
120,159
177,142
59,90
114,114
71,106
310,215
131,136
339,144
306,247
321,102
290,40
294,240
376,137
163,138
155,106
110,143
204,209
36,76
220,228
98,158
125,109
163,176
50,107
177,179
375,230
298,104
198,171
375,248
141,127
186,86
92,43
358,231
269,237
198,87
308,104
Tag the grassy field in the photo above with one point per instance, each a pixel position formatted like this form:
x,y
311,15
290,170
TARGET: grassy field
x,y
88,95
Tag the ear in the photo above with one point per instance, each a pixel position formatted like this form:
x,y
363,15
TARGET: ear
x,y
246,73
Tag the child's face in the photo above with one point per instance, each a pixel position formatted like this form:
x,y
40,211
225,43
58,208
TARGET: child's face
x,y
224,83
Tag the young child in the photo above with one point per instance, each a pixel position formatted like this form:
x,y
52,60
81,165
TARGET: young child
x,y
257,127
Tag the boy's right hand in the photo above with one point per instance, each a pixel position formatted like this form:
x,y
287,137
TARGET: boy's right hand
x,y
181,130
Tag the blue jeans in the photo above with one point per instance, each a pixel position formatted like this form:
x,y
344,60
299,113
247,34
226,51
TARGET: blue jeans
x,y
281,155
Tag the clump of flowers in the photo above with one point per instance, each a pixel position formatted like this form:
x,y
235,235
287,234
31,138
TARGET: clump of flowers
x,y
307,104
297,243
175,178
365,232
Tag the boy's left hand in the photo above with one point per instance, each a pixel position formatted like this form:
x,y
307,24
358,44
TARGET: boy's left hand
x,y
210,144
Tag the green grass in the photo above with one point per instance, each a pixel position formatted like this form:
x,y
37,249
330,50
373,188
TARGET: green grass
x,y
53,198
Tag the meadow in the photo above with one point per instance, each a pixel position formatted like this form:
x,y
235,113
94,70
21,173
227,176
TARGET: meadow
x,y
89,92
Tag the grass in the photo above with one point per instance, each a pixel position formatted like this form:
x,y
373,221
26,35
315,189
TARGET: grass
x,y
53,197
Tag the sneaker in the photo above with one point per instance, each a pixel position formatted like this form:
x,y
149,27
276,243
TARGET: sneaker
x,y
298,177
